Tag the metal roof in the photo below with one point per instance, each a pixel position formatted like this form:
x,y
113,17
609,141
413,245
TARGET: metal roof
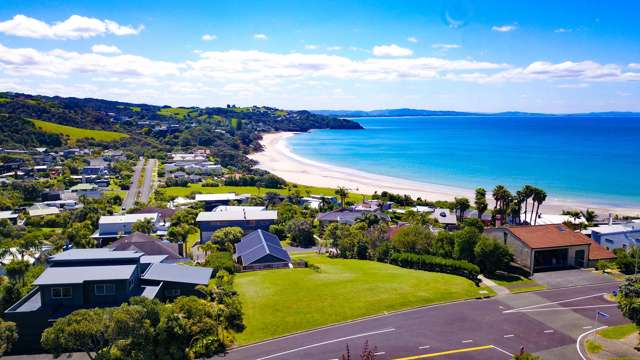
x,y
178,273
80,274
237,215
258,244
127,218
94,254
217,197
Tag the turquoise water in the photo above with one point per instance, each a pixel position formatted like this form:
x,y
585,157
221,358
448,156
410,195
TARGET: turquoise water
x,y
592,159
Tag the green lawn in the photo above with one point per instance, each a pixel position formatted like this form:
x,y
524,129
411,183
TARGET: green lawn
x,y
179,113
77,133
252,190
593,347
516,283
618,332
527,289
279,302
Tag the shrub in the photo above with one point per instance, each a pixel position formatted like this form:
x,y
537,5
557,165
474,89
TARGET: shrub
x,y
492,256
220,260
437,264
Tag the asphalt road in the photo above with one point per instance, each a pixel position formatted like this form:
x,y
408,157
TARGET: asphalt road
x,y
147,181
132,194
544,322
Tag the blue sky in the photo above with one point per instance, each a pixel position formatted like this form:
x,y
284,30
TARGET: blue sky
x,y
549,56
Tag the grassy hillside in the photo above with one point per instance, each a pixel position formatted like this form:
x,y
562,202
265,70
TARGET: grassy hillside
x,y
304,190
340,290
74,133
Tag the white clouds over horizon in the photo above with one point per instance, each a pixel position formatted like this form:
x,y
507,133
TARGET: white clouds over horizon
x,y
73,28
504,28
391,50
412,39
209,37
105,49
445,47
260,37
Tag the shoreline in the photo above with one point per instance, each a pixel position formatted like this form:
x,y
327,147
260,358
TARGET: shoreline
x,y
278,159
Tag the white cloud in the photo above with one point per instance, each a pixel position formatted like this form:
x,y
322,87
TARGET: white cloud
x,y
574,86
445,47
391,50
105,49
562,30
260,37
412,39
334,48
75,27
634,66
209,37
503,28
311,47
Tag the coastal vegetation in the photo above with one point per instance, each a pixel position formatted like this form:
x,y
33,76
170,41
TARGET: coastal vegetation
x,y
348,289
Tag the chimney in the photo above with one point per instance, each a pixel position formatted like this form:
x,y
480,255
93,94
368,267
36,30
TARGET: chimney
x,y
610,219
181,248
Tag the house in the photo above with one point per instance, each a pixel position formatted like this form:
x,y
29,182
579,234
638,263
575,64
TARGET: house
x,y
548,247
311,202
88,190
9,216
113,155
165,213
348,216
114,226
473,214
213,200
548,219
446,218
89,278
187,158
246,217
373,205
181,202
99,170
616,236
63,204
41,209
261,250
151,246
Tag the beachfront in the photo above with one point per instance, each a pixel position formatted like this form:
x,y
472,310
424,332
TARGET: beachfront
x,y
278,159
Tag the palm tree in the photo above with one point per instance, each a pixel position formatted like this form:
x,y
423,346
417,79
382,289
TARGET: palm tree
x,y
589,215
527,193
343,193
270,198
461,205
481,201
539,196
208,247
498,194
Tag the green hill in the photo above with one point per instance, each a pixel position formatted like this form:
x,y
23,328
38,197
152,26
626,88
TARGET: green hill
x,y
74,133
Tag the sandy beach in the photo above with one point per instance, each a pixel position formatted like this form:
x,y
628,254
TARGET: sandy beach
x,y
277,158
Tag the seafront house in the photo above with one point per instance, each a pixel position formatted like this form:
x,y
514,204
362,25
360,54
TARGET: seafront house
x,y
446,218
114,226
248,218
549,247
348,216
212,201
616,236
88,278
261,250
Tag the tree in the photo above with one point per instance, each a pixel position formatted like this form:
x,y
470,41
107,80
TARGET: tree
x,y
444,244
491,256
220,260
300,233
474,223
209,247
369,219
343,194
82,330
79,235
144,226
526,193
589,215
466,240
180,232
270,198
539,196
185,216
413,239
461,205
629,300
481,201
8,336
16,270
334,232
231,235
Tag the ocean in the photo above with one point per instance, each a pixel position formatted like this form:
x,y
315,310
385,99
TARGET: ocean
x,y
594,159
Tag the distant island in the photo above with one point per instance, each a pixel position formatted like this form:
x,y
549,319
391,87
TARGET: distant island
x,y
424,112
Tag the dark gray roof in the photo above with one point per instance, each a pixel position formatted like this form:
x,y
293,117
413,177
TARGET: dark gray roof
x,y
102,254
151,291
80,274
148,245
349,216
178,273
258,244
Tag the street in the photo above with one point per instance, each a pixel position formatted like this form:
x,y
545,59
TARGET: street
x,y
132,194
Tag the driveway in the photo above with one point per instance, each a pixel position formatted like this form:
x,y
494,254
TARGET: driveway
x,y
569,278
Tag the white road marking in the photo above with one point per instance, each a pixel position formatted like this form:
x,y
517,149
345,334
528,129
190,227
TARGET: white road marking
x,y
379,353
424,347
466,341
325,342
564,308
508,336
552,303
549,331
503,350
580,338
587,327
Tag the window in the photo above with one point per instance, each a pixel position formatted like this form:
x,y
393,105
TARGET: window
x,y
61,292
105,289
172,292
608,241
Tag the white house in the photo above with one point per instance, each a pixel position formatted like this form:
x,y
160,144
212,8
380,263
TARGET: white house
x,y
616,236
111,227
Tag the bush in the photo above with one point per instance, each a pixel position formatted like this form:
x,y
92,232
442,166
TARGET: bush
x,y
220,260
603,266
492,256
437,264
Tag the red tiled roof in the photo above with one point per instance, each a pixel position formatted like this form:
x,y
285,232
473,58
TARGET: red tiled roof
x,y
547,236
597,252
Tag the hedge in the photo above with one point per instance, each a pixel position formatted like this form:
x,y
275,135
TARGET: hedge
x,y
437,264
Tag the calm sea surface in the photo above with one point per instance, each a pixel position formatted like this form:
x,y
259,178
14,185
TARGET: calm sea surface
x,y
587,158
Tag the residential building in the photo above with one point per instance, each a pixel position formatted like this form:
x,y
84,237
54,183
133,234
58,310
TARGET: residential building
x,y
547,247
247,218
89,278
348,216
99,170
151,246
616,236
446,218
114,226
41,209
549,219
10,216
261,250
211,201
181,158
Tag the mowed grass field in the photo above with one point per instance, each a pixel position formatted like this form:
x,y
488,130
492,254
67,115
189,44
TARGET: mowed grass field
x,y
179,191
279,302
75,133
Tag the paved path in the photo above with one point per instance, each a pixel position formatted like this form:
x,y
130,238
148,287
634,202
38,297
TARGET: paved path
x,y
574,277
545,322
132,194
499,290
147,181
